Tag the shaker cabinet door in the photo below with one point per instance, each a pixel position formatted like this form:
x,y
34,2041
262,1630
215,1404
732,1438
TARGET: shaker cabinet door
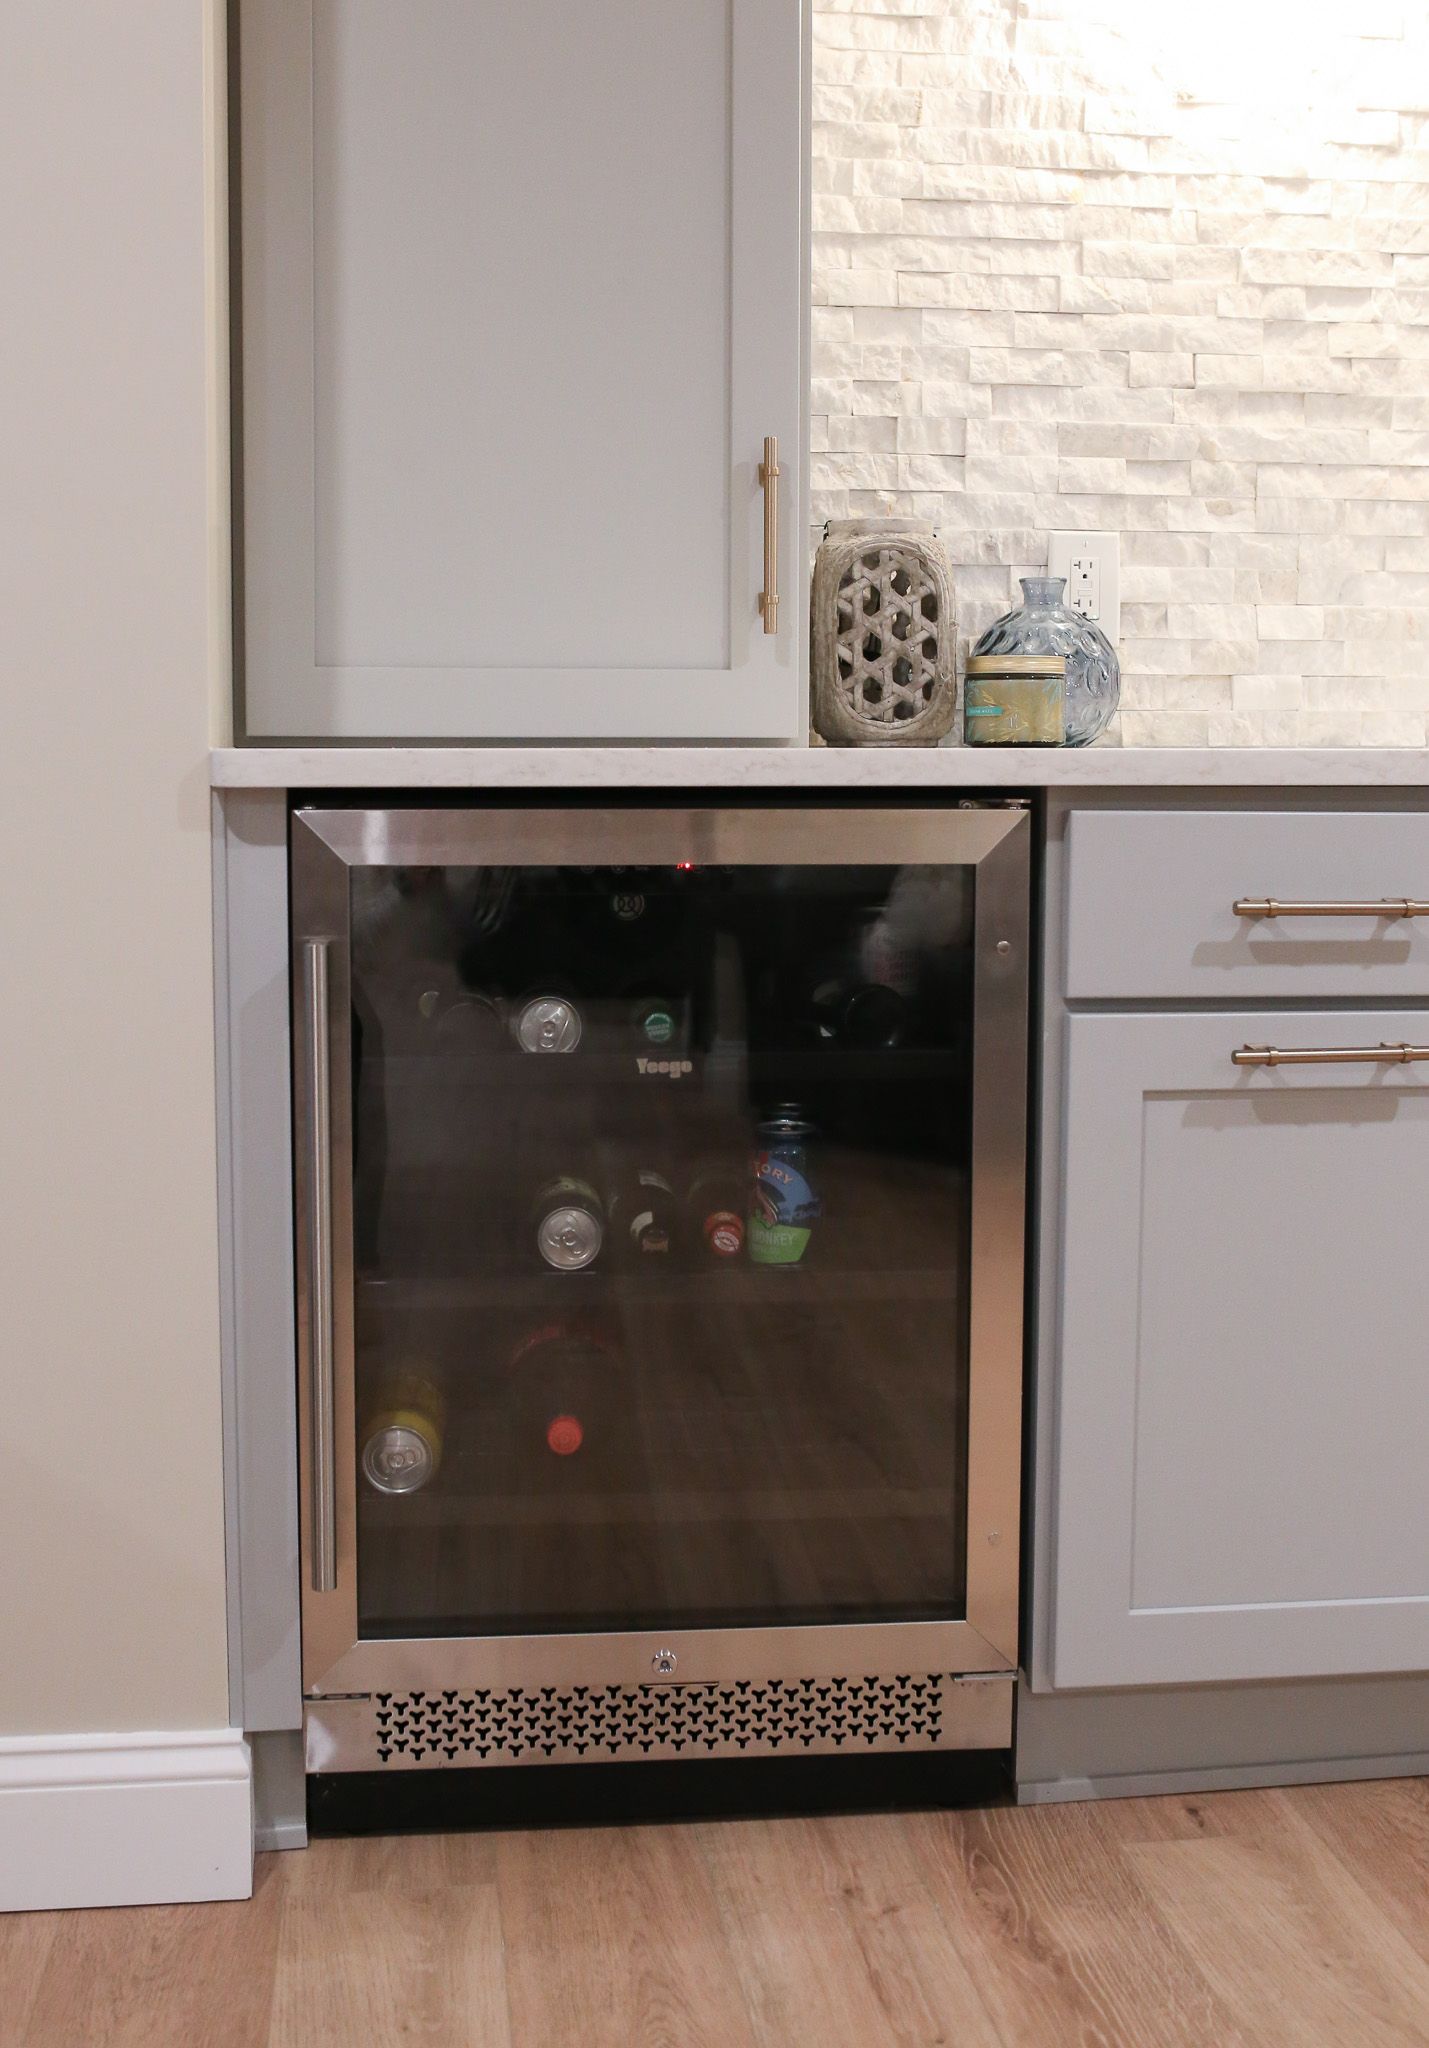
x,y
521,299
1243,1435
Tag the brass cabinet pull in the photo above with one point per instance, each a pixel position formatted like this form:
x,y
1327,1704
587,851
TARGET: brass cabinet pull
x,y
1328,1055
1385,906
769,478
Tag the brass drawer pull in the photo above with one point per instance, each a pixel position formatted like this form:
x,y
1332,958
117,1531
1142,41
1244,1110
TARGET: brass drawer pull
x,y
769,478
1386,906
1329,1055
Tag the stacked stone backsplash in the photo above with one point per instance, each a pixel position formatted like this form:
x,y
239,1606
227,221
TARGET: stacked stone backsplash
x,y
1134,266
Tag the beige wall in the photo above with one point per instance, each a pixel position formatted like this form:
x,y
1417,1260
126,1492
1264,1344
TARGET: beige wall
x,y
111,1523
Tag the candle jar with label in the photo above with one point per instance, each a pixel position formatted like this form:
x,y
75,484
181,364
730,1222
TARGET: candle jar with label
x,y
1015,700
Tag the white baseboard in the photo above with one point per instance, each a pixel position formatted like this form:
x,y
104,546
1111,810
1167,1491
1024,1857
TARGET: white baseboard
x,y
125,1820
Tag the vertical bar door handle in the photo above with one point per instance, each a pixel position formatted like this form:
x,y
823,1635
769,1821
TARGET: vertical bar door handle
x,y
322,1490
769,478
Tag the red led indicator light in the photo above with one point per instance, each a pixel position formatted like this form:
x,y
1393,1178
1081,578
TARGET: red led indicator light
x,y
564,1435
686,867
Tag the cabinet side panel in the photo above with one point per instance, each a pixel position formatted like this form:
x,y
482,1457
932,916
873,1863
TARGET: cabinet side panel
x,y
257,1115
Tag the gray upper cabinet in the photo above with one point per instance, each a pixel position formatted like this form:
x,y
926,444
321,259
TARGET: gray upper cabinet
x,y
1243,1393
522,295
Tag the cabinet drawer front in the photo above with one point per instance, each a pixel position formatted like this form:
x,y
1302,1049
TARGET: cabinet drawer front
x,y
1243,1394
1152,896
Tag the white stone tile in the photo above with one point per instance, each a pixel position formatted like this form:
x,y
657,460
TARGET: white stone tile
x,y
1267,551
1369,622
1162,371
1161,479
1177,693
1090,473
1211,622
1267,693
1165,728
1278,586
932,433
1279,411
1377,588
1167,550
1154,443
1290,622
1210,515
1410,554
1184,586
1047,296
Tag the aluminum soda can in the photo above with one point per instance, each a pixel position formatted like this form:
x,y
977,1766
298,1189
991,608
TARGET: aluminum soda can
x,y
569,1220
402,1434
784,1207
548,1022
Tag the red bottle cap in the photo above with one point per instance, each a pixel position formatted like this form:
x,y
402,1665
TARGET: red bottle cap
x,y
724,1233
564,1435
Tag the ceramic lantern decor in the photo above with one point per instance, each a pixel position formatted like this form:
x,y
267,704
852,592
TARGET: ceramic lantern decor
x,y
882,631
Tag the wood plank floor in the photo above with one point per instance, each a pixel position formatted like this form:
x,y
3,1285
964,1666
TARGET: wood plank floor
x,y
1234,1920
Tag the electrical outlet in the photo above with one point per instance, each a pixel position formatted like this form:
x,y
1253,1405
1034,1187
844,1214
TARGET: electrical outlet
x,y
1091,564
1084,585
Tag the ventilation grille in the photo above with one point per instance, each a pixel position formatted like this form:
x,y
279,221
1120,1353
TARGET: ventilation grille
x,y
748,1717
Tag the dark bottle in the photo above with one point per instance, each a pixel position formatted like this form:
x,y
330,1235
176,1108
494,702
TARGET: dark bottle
x,y
568,1222
716,1207
644,1214
654,1017
466,1023
564,1403
866,1015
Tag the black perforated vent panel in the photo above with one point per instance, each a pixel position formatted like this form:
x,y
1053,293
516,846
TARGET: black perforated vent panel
x,y
748,1717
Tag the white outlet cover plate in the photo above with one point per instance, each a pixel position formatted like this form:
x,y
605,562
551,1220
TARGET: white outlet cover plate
x,y
1103,551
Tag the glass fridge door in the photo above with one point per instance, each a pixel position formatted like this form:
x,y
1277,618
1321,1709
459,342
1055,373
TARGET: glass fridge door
x,y
654,1227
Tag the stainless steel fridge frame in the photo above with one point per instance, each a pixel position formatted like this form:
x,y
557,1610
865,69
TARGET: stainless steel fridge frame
x,y
358,1691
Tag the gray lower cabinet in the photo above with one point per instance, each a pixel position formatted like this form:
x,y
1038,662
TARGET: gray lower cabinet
x,y
1194,891
1242,1487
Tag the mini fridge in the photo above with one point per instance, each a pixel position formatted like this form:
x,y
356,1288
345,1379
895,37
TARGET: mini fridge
x,y
660,1195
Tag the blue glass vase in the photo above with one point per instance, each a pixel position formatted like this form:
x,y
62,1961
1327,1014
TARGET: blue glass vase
x,y
1043,624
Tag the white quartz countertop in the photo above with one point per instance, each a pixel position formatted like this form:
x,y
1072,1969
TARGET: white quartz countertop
x,y
735,767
